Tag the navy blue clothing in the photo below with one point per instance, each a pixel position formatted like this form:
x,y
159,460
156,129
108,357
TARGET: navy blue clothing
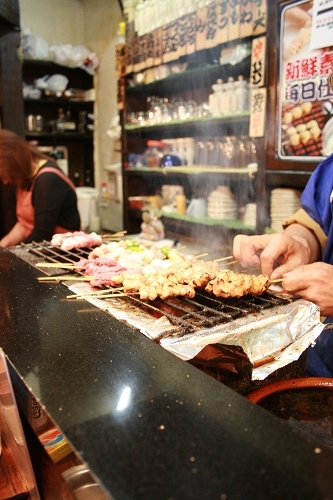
x,y
317,202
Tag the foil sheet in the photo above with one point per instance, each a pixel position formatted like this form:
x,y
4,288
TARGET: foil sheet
x,y
259,343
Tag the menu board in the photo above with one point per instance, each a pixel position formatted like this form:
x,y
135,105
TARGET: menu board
x,y
305,97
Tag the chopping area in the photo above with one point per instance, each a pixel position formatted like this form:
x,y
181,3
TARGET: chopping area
x,y
148,424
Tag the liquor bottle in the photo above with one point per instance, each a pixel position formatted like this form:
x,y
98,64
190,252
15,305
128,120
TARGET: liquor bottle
x,y
69,123
60,120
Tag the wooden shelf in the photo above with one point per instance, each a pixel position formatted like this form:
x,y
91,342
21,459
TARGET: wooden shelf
x,y
59,102
195,78
65,136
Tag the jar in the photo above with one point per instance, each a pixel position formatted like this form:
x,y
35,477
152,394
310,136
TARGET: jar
x,y
242,94
154,153
215,98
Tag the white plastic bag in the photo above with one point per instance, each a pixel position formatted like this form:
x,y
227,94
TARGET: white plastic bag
x,y
57,83
33,46
77,56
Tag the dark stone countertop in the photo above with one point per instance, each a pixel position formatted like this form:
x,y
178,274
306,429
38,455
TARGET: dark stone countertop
x,y
149,425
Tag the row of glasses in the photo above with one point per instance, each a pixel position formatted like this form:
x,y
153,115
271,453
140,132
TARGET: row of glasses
x,y
161,110
225,152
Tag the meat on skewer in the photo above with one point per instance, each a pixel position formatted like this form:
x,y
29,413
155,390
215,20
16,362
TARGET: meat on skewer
x,y
221,284
230,284
77,239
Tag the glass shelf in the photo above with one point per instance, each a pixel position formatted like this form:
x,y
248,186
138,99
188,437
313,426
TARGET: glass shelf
x,y
205,119
250,170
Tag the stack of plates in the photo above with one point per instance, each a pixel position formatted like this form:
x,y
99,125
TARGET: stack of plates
x,y
221,204
250,214
284,202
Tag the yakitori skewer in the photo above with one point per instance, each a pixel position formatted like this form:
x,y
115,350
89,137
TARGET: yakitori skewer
x,y
114,235
97,293
229,257
59,265
66,278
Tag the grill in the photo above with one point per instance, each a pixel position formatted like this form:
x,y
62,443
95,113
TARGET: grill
x,y
204,311
240,342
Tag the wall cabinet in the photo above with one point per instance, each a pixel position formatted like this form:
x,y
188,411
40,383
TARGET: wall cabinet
x,y
78,108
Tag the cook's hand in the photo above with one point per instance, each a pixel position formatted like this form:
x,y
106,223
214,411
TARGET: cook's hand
x,y
312,282
276,254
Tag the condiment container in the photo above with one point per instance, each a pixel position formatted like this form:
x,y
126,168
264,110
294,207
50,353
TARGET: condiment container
x,y
242,94
154,153
181,204
215,99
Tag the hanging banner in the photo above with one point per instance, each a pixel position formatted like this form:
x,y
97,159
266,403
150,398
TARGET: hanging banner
x,y
258,60
258,112
305,100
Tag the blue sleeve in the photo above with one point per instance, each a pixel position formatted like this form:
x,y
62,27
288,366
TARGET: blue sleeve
x,y
316,196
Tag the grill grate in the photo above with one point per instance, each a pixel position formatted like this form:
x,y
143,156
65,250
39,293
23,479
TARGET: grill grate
x,y
205,311
185,315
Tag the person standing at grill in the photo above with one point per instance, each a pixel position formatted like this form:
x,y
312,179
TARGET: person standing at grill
x,y
46,201
303,256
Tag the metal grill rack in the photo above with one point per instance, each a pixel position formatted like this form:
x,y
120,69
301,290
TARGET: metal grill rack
x,y
185,315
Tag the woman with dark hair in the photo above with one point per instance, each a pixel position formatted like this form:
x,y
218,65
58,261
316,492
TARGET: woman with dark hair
x,y
46,201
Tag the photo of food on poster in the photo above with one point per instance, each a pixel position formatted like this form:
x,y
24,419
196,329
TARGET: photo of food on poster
x,y
305,96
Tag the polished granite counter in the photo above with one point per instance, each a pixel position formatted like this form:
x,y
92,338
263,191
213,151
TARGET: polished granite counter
x,y
149,425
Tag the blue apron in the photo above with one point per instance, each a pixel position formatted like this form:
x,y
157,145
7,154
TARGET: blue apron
x,y
317,201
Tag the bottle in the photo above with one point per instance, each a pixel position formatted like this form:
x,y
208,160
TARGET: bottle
x,y
60,122
242,94
69,123
231,96
181,203
224,106
215,98
103,194
154,153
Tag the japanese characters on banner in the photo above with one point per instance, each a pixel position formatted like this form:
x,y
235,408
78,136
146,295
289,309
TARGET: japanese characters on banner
x,y
258,91
219,22
306,98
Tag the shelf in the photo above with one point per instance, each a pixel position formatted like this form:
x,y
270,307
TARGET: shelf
x,y
191,79
213,126
197,170
58,102
239,118
208,221
66,136
35,68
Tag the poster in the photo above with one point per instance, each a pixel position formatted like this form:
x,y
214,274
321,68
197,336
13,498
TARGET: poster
x,y
305,114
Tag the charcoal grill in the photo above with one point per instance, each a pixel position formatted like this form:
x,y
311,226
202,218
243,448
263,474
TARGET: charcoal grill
x,y
238,341
186,315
